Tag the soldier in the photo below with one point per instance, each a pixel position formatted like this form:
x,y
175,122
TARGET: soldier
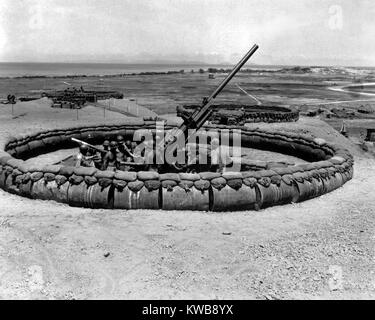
x,y
84,158
106,145
128,144
110,159
124,150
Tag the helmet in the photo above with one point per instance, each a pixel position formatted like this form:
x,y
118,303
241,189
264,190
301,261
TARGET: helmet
x,y
106,143
113,145
128,143
89,136
120,139
83,149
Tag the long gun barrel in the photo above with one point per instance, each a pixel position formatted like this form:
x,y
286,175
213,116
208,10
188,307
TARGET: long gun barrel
x,y
89,145
200,116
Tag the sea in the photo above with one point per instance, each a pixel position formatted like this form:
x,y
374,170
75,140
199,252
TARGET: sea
x,y
15,69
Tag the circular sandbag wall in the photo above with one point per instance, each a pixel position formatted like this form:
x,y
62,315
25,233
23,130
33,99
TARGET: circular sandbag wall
x,y
332,166
241,114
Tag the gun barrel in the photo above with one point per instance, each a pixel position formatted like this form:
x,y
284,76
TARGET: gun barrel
x,y
238,66
200,115
89,145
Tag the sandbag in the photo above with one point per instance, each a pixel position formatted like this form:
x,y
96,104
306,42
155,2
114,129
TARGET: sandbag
x,y
250,182
99,197
189,176
84,171
333,182
105,174
181,199
229,199
60,180
235,184
306,190
52,142
89,180
209,175
147,175
143,199
169,184
170,176
10,184
202,184
36,176
49,191
77,194
186,184
49,177
268,196
74,179
152,185
135,186
66,171
288,191
25,188
218,183
22,151
126,176
318,186
36,146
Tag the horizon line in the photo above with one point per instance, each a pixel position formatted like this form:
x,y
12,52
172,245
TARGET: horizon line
x,y
186,64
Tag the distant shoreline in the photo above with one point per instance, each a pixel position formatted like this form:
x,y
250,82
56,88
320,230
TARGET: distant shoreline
x,y
129,74
195,69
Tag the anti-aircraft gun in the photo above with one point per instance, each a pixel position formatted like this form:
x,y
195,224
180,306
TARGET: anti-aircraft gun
x,y
197,119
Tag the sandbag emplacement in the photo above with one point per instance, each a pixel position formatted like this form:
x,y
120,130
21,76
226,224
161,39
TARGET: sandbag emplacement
x,y
228,199
143,199
181,199
333,182
49,191
98,197
77,194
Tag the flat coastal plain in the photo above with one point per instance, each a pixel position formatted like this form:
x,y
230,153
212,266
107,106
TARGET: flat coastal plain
x,y
321,248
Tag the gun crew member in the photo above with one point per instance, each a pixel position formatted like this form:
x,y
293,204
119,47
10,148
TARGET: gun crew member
x,y
124,151
106,145
84,158
110,159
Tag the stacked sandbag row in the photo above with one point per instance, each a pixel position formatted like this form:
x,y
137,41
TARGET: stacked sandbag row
x,y
267,114
290,143
271,117
229,191
27,146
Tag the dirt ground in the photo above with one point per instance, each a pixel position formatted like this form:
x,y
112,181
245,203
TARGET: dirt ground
x,y
321,248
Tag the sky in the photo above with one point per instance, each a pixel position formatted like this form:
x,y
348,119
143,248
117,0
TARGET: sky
x,y
288,32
